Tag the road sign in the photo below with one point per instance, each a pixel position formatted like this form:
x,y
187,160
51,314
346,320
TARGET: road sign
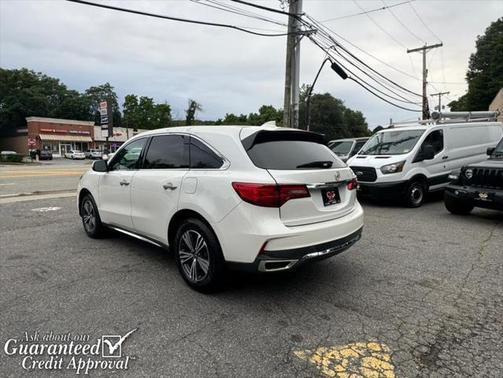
x,y
32,142
104,112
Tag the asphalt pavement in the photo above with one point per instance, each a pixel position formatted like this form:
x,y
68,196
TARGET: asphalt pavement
x,y
46,176
420,295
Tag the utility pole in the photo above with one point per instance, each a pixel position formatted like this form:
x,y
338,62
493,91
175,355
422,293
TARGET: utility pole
x,y
424,50
292,67
439,94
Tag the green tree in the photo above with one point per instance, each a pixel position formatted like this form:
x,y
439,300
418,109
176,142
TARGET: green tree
x,y
25,93
330,117
485,70
131,117
143,113
162,115
192,108
265,114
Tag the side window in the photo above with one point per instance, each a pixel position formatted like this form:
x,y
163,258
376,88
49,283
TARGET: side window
x,y
202,157
166,152
358,146
127,157
436,139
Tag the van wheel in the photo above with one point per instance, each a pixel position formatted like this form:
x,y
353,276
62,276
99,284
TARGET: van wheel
x,y
91,218
415,193
456,206
198,256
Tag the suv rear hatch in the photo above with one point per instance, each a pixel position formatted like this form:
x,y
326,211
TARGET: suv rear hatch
x,y
302,158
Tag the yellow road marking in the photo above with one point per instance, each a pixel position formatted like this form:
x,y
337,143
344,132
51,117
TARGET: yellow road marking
x,y
369,359
43,171
44,175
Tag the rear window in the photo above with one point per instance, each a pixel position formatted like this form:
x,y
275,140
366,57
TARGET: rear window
x,y
291,154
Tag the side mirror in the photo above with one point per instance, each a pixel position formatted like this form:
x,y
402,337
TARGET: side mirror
x,y
100,166
428,152
490,150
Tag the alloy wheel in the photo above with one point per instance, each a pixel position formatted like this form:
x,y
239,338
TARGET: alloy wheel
x,y
88,216
194,256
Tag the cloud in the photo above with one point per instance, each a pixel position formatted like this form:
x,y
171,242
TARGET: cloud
x,y
225,70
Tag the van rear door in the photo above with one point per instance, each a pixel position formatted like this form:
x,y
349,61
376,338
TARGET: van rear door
x,y
302,158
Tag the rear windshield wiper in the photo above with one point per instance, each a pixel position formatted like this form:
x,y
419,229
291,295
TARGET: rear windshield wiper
x,y
317,164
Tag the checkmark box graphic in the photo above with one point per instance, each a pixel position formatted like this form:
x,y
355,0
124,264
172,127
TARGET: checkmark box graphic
x,y
111,345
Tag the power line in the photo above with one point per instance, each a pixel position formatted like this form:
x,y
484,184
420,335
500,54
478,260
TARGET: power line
x,y
176,18
365,12
266,8
228,8
330,47
389,102
336,43
403,25
379,26
424,24
322,26
362,82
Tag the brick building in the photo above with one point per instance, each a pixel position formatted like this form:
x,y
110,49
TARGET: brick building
x,y
57,135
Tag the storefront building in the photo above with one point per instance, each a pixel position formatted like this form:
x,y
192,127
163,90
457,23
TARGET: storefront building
x,y
63,135
60,135
120,135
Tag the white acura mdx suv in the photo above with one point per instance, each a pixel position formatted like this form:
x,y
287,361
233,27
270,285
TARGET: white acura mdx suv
x,y
263,199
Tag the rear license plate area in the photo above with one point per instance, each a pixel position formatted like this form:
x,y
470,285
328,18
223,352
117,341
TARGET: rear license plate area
x,y
330,196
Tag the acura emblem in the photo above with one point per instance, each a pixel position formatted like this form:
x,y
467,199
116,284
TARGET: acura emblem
x,y
337,176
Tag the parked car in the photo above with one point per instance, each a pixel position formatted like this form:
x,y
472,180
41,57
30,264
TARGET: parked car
x,y
410,161
45,155
94,154
477,185
346,148
11,157
75,154
7,153
261,199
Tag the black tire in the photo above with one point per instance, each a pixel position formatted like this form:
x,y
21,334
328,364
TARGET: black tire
x,y
415,193
201,266
91,218
456,206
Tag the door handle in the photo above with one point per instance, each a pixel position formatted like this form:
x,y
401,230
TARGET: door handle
x,y
445,157
169,186
124,183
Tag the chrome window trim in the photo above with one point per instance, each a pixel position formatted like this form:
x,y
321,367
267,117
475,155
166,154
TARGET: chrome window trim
x,y
225,165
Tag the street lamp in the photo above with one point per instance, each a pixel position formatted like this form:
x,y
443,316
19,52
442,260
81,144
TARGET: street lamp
x,y
338,70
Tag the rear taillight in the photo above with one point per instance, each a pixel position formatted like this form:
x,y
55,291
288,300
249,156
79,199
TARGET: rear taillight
x,y
353,184
267,195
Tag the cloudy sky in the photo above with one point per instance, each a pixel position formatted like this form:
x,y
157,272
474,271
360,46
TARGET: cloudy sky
x,y
230,71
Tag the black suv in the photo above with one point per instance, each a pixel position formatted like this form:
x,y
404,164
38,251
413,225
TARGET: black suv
x,y
478,185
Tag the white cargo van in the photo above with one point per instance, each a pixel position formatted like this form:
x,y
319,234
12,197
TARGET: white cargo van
x,y
409,161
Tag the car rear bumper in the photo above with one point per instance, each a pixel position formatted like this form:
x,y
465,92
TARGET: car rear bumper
x,y
479,197
253,241
275,261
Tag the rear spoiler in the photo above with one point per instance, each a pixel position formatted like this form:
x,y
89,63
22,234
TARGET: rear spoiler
x,y
263,136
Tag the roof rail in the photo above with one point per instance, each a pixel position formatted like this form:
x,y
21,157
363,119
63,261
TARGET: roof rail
x,y
458,117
